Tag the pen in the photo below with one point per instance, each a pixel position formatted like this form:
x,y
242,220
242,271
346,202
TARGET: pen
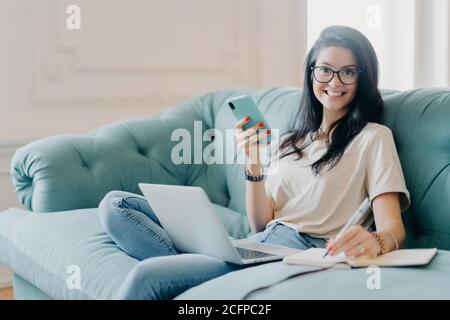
x,y
358,217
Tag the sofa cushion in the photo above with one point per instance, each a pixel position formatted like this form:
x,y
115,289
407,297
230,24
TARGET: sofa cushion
x,y
43,248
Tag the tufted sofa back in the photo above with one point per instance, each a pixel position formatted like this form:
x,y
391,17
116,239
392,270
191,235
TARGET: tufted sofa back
x,y
420,121
68,172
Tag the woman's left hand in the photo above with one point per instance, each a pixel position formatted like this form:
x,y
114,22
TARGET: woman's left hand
x,y
355,242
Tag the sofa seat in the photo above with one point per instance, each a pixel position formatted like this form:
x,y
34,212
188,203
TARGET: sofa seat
x,y
41,248
421,282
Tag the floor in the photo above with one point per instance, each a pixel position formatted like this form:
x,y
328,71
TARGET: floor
x,y
6,294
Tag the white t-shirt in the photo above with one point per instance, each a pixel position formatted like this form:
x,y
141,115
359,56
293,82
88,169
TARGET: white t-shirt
x,y
321,205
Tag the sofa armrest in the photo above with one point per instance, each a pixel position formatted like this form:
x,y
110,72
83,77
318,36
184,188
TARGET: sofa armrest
x,y
68,172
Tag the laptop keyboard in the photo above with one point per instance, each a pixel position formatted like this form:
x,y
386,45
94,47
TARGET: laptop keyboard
x,y
252,254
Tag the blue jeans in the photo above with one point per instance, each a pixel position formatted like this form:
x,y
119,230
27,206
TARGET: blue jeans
x,y
164,271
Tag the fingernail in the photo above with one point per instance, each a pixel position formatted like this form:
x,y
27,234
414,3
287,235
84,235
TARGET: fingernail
x,y
268,142
268,131
261,124
247,118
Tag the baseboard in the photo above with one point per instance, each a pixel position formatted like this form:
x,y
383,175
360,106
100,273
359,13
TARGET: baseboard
x,y
6,277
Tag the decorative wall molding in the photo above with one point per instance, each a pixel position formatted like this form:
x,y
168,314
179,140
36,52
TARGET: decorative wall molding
x,y
50,85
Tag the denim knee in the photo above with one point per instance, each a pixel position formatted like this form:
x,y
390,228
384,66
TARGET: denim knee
x,y
108,209
133,231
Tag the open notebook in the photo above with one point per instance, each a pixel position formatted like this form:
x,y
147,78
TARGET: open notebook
x,y
397,258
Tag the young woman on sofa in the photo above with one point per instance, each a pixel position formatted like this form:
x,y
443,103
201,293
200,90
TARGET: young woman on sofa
x,y
336,155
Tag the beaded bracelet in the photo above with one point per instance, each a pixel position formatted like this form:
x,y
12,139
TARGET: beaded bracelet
x,y
380,242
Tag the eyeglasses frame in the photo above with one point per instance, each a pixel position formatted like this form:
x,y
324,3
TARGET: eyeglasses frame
x,y
335,72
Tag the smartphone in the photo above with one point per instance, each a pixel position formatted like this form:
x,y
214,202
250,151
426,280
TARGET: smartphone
x,y
243,106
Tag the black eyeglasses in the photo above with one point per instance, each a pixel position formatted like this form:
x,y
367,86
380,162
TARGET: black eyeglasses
x,y
348,75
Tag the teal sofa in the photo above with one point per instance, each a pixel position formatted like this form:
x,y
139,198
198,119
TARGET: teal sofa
x,y
61,180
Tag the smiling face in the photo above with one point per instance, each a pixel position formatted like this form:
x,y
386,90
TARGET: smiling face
x,y
335,96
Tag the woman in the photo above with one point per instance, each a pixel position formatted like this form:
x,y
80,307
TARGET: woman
x,y
335,157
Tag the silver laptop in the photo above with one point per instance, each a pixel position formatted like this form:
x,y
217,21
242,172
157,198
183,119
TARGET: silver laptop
x,y
191,222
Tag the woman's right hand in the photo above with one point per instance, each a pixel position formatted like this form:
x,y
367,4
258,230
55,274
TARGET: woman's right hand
x,y
249,140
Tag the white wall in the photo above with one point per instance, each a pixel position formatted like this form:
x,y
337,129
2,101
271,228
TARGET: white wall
x,y
133,58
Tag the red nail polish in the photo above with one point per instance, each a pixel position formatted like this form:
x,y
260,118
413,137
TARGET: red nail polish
x,y
268,142
261,124
247,118
268,131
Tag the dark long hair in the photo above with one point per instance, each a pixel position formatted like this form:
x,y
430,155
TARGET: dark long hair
x,y
366,105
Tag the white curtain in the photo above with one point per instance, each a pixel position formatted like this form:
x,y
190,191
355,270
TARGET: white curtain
x,y
432,61
417,43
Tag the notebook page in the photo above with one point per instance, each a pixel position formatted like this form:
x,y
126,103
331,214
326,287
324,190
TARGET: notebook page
x,y
397,258
314,257
403,257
